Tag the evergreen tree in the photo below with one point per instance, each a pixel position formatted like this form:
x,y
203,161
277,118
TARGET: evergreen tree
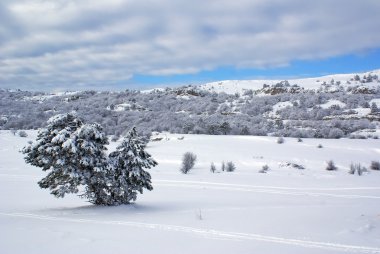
x,y
73,154
88,150
126,174
48,153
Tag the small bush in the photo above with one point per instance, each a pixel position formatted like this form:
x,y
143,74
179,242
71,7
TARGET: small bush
x,y
352,169
188,162
299,140
375,165
292,165
320,146
22,134
280,140
212,167
230,166
223,166
358,136
264,169
357,168
331,166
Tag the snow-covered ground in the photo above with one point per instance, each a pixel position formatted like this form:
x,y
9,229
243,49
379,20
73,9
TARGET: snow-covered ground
x,y
331,103
239,86
286,210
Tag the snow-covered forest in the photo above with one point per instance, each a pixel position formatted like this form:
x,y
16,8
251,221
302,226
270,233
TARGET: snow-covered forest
x,y
327,107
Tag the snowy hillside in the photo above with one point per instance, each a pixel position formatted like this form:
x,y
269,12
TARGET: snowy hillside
x,y
239,86
327,107
286,210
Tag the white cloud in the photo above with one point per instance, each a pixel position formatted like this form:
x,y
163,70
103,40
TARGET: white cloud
x,y
66,42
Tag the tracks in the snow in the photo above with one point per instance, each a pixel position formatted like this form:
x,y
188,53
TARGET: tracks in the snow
x,y
294,191
224,235
316,192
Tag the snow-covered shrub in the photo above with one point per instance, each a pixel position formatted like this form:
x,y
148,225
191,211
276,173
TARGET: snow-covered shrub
x,y
280,140
357,136
291,165
335,133
374,108
331,165
225,128
375,165
230,166
357,168
223,166
127,174
22,134
264,169
212,167
299,140
352,169
188,162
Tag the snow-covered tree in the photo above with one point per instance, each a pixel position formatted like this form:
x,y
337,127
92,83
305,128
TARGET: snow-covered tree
x,y
374,108
87,149
48,153
127,174
225,128
73,154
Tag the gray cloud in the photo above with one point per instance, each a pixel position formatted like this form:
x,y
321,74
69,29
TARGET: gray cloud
x,y
94,44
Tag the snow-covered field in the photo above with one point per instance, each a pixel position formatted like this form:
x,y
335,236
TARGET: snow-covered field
x,y
286,210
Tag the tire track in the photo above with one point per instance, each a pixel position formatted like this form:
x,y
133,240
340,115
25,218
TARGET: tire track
x,y
216,234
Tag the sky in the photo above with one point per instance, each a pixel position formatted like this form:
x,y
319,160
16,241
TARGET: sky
x,y
128,44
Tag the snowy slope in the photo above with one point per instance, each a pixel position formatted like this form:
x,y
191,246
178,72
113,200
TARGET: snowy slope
x,y
331,103
286,210
238,86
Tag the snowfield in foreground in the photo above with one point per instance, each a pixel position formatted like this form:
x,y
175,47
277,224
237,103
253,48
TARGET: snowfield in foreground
x,y
286,210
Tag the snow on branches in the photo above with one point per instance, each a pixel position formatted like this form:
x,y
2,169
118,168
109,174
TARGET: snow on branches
x,y
73,154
